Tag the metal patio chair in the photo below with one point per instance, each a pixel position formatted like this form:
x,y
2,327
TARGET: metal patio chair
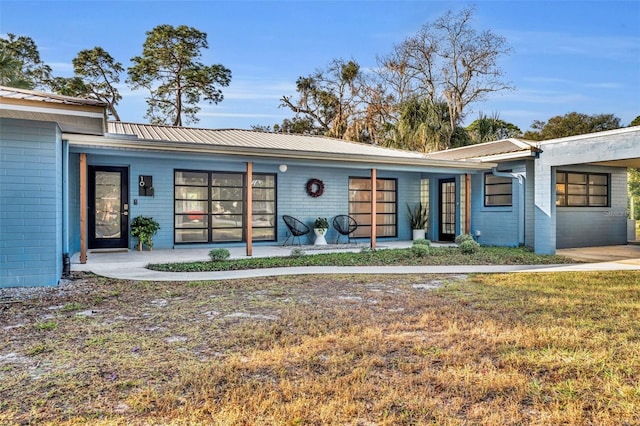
x,y
345,225
296,229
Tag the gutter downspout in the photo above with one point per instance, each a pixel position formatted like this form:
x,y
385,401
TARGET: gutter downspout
x,y
521,176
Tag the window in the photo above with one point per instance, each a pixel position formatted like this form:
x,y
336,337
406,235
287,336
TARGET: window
x,y
386,208
582,189
498,191
209,207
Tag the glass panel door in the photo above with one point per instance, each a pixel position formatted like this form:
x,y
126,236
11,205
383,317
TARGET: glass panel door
x,y
108,207
447,222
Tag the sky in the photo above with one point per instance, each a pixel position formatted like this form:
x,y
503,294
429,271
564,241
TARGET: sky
x,y
566,56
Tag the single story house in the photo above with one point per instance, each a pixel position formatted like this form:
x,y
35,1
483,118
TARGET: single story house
x,y
71,182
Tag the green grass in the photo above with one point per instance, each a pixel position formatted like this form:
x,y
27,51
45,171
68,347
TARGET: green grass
x,y
386,257
485,349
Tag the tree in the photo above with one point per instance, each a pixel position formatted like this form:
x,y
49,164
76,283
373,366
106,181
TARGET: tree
x,y
635,122
297,126
571,124
331,99
170,69
422,126
486,129
32,72
11,72
450,61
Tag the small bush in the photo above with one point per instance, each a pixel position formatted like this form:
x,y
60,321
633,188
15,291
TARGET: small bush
x,y
464,237
420,250
421,242
297,252
219,254
469,247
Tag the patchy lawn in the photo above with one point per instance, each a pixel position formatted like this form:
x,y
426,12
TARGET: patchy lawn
x,y
512,349
386,257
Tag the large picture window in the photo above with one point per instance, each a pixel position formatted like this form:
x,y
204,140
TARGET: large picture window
x,y
386,206
498,191
582,189
209,207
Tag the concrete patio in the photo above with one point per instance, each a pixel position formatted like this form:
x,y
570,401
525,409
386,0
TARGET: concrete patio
x,y
124,264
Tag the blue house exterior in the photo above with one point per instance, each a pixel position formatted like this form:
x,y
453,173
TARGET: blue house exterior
x,y
71,182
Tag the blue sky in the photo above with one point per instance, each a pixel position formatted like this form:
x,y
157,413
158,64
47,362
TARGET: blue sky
x,y
567,56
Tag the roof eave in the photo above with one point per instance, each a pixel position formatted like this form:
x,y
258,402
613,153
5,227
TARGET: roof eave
x,y
138,144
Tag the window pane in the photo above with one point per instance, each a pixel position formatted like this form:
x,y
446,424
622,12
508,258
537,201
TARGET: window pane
x,y
191,235
498,200
597,190
226,193
386,219
384,208
191,221
229,234
226,179
597,201
359,196
264,194
263,221
192,178
386,196
191,207
560,177
577,178
227,207
501,189
360,183
360,208
264,234
560,200
560,188
264,181
598,179
577,189
263,207
386,185
192,192
577,200
226,221
491,179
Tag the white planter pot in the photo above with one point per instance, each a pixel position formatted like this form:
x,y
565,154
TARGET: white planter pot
x,y
320,240
418,234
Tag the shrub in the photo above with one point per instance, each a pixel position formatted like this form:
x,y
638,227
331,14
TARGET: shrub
x,y
420,250
464,237
421,242
144,228
219,254
468,246
321,223
297,252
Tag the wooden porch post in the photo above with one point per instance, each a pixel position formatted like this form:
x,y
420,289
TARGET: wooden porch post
x,y
467,204
249,215
374,188
83,208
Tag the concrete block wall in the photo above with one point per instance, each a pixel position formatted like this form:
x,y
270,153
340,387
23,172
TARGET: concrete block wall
x,y
30,203
595,226
500,225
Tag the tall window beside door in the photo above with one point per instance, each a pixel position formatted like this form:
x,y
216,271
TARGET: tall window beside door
x,y
209,207
386,206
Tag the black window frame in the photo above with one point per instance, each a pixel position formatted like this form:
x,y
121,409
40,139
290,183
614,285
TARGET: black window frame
x,y
502,180
563,196
379,212
209,213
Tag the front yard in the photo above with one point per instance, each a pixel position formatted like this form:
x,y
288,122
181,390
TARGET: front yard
x,y
512,349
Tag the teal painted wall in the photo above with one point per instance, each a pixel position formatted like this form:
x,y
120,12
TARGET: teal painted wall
x,y
30,203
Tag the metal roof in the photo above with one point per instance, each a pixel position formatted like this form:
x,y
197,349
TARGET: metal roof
x,y
251,139
31,95
506,147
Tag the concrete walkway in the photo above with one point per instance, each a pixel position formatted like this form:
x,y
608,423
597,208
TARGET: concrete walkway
x,y
130,265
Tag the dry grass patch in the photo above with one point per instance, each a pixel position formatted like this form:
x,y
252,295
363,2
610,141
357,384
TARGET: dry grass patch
x,y
513,349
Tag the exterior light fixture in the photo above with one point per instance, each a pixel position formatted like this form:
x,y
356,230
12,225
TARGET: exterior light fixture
x,y
283,168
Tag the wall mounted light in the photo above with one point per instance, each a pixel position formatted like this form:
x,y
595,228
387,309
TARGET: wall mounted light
x,y
283,168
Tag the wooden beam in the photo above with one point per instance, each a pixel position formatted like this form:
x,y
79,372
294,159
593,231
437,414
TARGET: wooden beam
x,y
374,197
467,204
84,191
249,215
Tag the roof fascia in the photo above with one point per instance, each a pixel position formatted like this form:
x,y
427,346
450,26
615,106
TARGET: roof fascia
x,y
137,144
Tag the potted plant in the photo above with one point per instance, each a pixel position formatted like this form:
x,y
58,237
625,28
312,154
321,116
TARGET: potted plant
x,y
320,227
418,218
144,228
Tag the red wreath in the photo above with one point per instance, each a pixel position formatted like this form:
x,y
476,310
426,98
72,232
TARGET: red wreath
x,y
315,187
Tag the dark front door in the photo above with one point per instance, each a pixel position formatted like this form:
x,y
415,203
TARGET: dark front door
x,y
447,217
108,207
